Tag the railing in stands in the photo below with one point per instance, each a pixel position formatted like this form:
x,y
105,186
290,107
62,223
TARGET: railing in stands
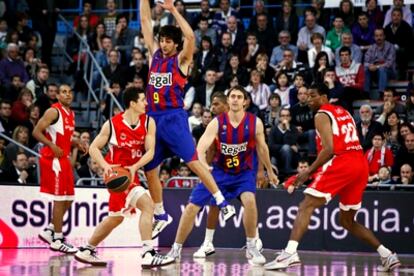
x,y
181,182
90,65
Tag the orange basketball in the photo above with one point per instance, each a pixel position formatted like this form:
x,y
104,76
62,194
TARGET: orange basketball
x,y
118,181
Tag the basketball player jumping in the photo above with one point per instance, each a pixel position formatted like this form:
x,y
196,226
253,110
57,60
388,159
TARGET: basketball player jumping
x,y
338,148
168,69
239,137
131,139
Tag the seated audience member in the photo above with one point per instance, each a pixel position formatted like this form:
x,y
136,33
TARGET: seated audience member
x,y
205,12
234,68
346,12
406,175
12,91
363,32
283,89
20,171
336,89
38,85
303,165
305,33
90,170
374,13
45,101
183,172
265,32
223,52
11,65
203,92
334,36
287,20
383,177
164,175
367,127
347,41
390,105
378,156
139,68
251,107
379,63
298,82
271,115
405,155
262,66
258,90
405,129
238,39
206,56
391,132
317,47
223,15
409,104
204,30
205,120
250,52
195,119
289,66
320,67
21,108
6,121
406,13
284,43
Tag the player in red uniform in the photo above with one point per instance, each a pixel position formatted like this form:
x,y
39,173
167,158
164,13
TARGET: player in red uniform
x,y
338,148
165,91
131,140
54,130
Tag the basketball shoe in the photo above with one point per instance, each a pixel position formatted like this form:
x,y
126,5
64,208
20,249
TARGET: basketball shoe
x,y
206,249
254,256
160,223
88,256
283,260
62,246
227,210
389,263
47,235
175,252
152,258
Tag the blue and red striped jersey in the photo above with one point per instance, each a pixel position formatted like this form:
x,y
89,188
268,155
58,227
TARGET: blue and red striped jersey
x,y
165,89
236,147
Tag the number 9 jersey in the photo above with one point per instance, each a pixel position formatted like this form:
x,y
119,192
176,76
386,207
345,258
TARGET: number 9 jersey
x,y
345,136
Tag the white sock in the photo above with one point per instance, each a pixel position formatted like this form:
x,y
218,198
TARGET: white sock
x,y
291,246
177,245
147,246
51,226
250,242
90,246
159,208
257,233
218,196
58,235
383,251
209,235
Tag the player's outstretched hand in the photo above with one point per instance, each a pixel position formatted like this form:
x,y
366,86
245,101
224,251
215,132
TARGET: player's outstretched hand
x,y
168,5
108,169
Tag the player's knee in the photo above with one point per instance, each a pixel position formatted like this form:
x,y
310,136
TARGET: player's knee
x,y
346,221
192,209
248,200
145,204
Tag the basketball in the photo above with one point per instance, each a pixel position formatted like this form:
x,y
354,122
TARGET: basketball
x,y
118,181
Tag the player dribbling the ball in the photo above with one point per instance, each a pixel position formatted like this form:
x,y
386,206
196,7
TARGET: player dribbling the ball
x,y
131,140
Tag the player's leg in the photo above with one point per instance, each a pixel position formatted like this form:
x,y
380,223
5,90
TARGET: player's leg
x,y
87,253
207,248
250,222
59,243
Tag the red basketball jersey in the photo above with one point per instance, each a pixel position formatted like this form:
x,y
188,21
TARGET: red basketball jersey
x,y
60,133
345,136
126,143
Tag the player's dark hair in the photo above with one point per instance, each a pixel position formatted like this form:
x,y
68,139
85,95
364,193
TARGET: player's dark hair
x,y
172,32
238,88
321,88
220,96
131,94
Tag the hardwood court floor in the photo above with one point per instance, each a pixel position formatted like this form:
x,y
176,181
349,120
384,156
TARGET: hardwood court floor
x,y
126,261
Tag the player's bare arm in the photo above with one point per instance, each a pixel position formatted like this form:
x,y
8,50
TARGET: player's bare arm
x,y
263,152
146,27
186,55
149,149
206,140
324,128
50,116
97,145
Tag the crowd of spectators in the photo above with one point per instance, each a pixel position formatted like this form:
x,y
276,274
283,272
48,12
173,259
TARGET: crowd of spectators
x,y
355,52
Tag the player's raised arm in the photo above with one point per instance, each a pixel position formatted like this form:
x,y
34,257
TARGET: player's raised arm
x,y
206,140
146,26
186,55
263,152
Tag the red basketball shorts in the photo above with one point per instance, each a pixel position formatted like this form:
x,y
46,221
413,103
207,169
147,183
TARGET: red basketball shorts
x,y
124,203
56,179
344,175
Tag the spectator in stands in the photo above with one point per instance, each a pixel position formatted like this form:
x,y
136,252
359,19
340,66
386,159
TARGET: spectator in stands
x,y
265,32
116,90
159,18
277,53
206,57
283,144
223,15
262,66
363,32
13,37
405,155
238,39
321,64
391,131
289,66
183,172
235,69
400,34
223,53
139,68
38,85
93,19
390,105
114,71
203,92
334,36
259,8
12,65
6,121
346,12
34,117
378,156
250,52
21,107
351,75
2,147
367,127
196,114
347,41
271,115
46,100
3,32
405,129
374,13
323,17
283,89
22,28
102,56
12,91
304,42
317,47
410,107
233,82
258,90
205,120
406,13
379,62
90,170
383,177
180,6
288,21
109,19
302,118
336,89
95,39
204,30
20,171
298,82
164,175
406,174
251,107
21,135
123,37
205,12
31,62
